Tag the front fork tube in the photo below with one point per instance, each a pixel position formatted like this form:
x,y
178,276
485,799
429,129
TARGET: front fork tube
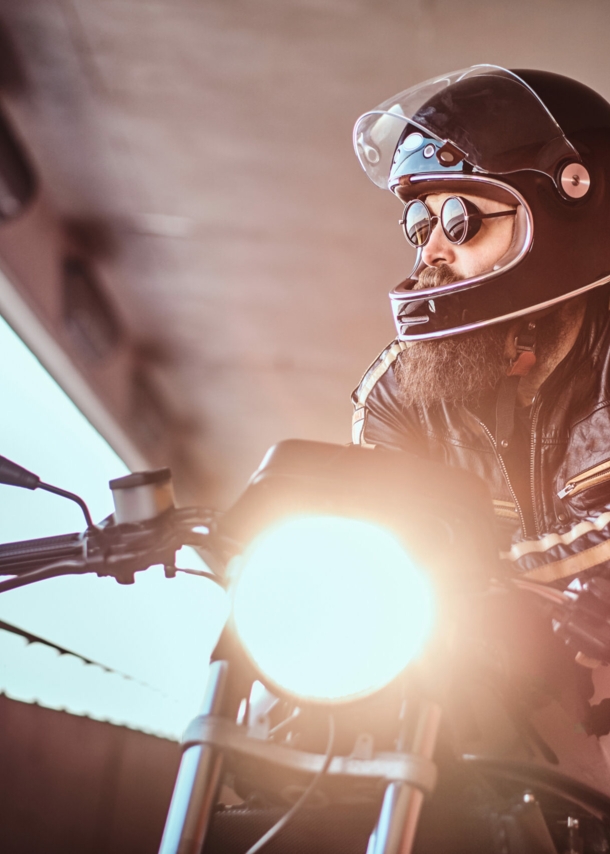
x,y
197,782
402,803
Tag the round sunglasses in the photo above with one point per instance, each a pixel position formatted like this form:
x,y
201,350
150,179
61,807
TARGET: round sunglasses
x,y
460,220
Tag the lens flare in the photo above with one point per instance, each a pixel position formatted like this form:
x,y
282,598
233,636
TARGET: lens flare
x,y
331,608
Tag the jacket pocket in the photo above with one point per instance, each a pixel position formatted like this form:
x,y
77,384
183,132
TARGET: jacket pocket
x,y
585,479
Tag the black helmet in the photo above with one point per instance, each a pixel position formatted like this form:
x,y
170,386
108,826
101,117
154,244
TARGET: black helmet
x,y
535,140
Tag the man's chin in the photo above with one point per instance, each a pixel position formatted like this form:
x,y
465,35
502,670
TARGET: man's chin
x,y
459,369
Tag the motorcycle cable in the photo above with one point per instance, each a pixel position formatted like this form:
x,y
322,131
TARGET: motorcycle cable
x,y
294,809
551,594
71,496
221,582
12,474
63,567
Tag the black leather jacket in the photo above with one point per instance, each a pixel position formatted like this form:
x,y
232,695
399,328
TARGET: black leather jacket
x,y
569,454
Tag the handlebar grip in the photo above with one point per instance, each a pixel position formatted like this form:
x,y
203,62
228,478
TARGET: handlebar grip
x,y
27,555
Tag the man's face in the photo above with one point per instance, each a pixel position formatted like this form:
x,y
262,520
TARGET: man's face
x,y
462,367
477,255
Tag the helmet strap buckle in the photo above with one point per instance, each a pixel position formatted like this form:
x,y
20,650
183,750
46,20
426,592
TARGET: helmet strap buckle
x,y
525,345
520,366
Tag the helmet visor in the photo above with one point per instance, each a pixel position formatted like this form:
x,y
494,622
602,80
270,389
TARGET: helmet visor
x,y
495,119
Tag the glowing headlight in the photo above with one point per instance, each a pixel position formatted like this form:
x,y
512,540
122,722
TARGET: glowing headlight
x,y
330,608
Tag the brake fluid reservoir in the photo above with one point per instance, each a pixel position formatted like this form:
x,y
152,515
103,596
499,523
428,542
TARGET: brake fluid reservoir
x,y
143,495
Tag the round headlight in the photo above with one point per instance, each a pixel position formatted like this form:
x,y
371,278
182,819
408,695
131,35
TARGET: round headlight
x,y
330,608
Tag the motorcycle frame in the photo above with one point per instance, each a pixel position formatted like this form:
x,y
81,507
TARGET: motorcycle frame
x,y
408,776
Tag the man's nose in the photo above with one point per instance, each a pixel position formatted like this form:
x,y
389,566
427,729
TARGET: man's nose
x,y
438,250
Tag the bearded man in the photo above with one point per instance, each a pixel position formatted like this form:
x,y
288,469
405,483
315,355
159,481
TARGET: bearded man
x,y
502,361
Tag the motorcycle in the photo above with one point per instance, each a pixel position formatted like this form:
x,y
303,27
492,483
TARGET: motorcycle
x,y
383,684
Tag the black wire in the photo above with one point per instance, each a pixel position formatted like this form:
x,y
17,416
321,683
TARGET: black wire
x,y
64,567
73,497
62,650
279,825
215,578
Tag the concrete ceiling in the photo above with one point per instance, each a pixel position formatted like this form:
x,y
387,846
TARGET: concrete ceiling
x,y
200,150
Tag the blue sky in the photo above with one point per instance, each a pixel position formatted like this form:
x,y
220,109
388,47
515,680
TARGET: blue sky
x,y
159,631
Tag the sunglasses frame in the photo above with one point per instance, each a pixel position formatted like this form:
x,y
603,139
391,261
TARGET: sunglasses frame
x,y
472,220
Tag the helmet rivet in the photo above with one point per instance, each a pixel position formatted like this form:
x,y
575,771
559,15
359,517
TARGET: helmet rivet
x,y
371,154
428,150
575,181
446,156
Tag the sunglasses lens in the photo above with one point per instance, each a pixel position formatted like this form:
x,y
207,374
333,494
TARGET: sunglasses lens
x,y
454,219
417,223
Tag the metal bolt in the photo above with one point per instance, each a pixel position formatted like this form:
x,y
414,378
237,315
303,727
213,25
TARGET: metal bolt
x,y
575,180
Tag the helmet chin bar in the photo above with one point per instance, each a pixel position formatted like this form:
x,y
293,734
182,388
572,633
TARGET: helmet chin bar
x,y
414,318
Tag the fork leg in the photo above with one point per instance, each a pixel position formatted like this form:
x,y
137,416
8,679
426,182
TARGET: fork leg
x,y
197,782
402,803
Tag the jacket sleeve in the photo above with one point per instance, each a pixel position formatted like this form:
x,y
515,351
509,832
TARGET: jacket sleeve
x,y
558,557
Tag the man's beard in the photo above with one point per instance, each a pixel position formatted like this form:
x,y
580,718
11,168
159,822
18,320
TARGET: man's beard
x,y
458,369
463,368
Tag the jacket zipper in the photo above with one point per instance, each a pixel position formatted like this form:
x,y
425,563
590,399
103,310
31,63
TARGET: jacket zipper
x,y
590,477
532,467
506,477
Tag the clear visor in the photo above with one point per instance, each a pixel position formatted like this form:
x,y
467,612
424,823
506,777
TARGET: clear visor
x,y
489,113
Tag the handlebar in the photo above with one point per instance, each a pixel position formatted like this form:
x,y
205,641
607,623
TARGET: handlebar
x,y
146,529
117,550
27,555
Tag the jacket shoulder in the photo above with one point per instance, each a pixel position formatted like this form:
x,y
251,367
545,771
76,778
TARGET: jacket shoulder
x,y
378,417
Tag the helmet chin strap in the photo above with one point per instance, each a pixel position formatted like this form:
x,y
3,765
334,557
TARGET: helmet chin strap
x,y
520,366
525,344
